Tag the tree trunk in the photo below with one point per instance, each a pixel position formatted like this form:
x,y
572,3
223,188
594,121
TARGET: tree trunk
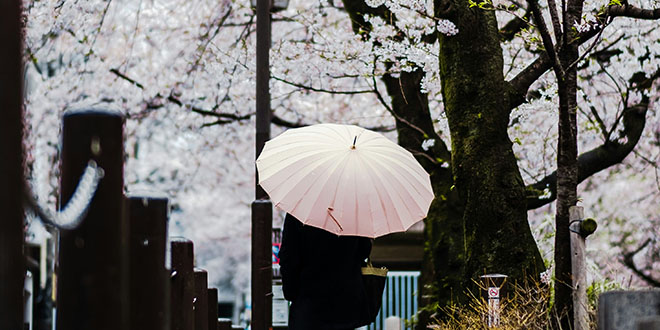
x,y
567,169
444,258
477,223
486,175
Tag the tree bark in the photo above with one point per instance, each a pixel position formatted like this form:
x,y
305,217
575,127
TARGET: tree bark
x,y
486,175
567,169
478,222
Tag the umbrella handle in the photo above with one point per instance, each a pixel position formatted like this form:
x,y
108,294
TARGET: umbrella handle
x,y
330,209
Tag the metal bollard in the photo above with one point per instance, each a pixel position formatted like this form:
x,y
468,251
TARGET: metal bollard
x,y
149,280
182,285
493,285
92,278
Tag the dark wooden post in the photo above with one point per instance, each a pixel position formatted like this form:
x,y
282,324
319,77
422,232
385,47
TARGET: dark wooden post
x,y
262,213
201,301
225,324
149,279
92,282
262,264
213,308
182,285
12,263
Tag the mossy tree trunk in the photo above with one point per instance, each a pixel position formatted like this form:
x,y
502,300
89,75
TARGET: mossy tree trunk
x,y
486,175
478,222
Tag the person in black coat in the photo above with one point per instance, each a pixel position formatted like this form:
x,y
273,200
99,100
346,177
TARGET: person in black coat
x,y
321,277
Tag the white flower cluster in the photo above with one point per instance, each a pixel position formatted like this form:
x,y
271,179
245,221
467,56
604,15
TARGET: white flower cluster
x,y
374,3
447,28
428,143
546,276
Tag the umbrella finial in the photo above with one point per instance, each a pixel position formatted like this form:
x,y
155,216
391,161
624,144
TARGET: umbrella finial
x,y
354,140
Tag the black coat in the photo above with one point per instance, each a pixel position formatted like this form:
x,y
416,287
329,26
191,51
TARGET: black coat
x,y
321,277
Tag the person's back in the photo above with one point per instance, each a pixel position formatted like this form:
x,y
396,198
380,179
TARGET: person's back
x,y
321,277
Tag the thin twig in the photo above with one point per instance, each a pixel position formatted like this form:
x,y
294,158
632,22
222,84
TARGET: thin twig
x,y
322,90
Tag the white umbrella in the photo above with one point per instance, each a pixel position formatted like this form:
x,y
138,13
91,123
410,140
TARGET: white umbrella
x,y
345,179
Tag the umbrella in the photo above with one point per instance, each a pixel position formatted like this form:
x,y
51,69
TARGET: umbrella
x,y
345,179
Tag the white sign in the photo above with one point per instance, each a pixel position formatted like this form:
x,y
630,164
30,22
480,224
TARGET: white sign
x,y
280,312
493,293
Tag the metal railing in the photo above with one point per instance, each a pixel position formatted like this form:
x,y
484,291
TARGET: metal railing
x,y
399,299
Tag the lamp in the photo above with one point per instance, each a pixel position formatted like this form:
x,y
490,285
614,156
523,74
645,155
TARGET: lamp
x,y
275,5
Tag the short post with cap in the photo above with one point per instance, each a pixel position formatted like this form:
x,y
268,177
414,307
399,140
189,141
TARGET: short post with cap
x,y
580,228
493,287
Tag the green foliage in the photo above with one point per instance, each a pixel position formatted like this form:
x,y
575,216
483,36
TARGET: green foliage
x,y
596,288
484,4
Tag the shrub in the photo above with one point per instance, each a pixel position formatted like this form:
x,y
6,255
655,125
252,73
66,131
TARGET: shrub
x,y
524,307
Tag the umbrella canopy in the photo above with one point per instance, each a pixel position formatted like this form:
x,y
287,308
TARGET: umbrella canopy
x,y
345,179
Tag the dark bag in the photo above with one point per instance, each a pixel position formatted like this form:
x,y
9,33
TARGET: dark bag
x,y
374,283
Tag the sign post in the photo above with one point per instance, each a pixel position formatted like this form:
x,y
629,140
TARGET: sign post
x,y
492,285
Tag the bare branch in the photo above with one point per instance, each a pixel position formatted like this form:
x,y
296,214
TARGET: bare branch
x,y
125,77
597,159
233,117
321,90
633,12
630,263
520,84
556,25
209,39
285,123
547,39
509,30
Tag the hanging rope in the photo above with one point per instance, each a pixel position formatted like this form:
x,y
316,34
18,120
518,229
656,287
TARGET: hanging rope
x,y
75,210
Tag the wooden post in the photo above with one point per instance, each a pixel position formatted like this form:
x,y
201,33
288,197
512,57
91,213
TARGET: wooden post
x,y
578,265
182,285
225,324
201,301
213,308
262,213
149,279
262,264
92,282
12,262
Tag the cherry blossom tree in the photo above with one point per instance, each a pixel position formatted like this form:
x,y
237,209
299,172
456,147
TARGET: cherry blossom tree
x,y
464,85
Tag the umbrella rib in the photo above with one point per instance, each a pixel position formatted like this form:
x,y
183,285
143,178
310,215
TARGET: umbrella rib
x,y
317,182
379,198
334,196
407,187
397,191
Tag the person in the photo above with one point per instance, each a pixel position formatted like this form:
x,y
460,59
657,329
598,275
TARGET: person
x,y
321,277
